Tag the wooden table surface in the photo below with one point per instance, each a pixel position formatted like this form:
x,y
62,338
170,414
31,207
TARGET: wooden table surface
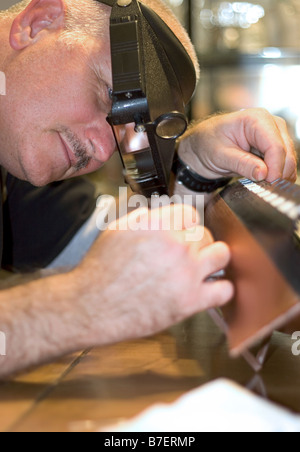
x,y
97,388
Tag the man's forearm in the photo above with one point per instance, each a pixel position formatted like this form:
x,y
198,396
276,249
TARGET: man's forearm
x,y
40,322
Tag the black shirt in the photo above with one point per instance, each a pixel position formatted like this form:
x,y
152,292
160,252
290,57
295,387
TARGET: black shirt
x,y
36,224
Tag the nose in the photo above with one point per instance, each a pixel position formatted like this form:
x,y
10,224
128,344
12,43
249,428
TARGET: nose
x,y
101,141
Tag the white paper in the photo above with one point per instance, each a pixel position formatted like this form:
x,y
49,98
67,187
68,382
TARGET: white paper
x,y
221,406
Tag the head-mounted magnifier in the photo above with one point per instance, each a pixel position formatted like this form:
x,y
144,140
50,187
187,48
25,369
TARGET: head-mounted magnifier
x,y
153,80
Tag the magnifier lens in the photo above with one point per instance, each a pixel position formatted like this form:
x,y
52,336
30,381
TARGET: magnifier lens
x,y
171,127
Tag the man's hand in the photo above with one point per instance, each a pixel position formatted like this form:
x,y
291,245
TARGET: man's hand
x,y
223,146
130,285
135,284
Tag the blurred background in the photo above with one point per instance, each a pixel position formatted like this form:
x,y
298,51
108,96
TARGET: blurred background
x,y
249,55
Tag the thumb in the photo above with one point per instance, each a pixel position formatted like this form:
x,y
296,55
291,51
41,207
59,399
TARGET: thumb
x,y
212,259
216,294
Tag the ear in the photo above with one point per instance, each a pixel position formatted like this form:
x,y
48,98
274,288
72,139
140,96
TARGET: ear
x,y
39,15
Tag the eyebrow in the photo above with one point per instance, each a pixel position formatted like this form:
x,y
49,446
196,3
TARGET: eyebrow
x,y
104,86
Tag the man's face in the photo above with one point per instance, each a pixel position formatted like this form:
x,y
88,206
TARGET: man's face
x,y
53,118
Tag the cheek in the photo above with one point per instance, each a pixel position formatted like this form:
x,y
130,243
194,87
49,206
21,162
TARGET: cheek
x,y
42,158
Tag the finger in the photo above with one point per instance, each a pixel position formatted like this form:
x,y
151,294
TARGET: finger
x,y
290,167
213,258
176,217
216,294
195,238
243,163
130,221
198,239
262,133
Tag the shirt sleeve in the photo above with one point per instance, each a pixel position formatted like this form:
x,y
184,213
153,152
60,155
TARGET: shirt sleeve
x,y
40,222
